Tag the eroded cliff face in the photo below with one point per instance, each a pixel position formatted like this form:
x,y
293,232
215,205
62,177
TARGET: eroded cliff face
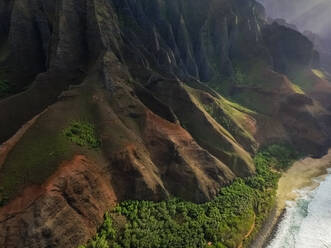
x,y
310,17
70,204
155,79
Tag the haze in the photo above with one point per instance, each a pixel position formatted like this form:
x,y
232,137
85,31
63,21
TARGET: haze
x,y
312,15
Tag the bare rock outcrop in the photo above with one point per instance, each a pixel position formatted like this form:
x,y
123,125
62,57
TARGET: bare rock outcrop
x,y
142,73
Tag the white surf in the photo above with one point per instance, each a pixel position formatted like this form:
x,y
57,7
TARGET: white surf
x,y
307,221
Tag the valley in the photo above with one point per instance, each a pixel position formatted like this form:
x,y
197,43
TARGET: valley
x,y
153,123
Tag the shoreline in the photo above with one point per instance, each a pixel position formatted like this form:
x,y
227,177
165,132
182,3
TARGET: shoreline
x,y
300,175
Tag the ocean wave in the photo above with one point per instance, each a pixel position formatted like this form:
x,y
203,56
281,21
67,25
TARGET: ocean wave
x,y
307,221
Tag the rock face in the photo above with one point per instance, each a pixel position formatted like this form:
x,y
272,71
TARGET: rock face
x,y
140,71
289,48
322,45
311,15
194,39
69,204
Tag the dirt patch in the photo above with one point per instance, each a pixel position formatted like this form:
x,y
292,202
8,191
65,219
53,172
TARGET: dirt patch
x,y
68,207
67,169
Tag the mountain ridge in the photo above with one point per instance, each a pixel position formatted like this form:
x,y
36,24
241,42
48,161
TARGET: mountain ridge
x,y
180,97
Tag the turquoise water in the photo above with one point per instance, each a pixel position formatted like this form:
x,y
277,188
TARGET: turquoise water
x,y
307,221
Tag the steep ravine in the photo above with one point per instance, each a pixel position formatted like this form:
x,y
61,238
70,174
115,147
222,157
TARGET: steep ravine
x,y
180,94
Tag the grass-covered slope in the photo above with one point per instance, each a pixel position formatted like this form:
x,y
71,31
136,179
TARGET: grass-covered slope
x,y
143,123
217,135
57,135
229,220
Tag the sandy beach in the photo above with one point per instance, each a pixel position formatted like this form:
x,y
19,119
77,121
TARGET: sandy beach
x,y
300,175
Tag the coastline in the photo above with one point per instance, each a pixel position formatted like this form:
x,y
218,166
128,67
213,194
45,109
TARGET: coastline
x,y
300,175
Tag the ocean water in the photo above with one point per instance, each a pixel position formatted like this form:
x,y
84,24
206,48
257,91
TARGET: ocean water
x,y
307,221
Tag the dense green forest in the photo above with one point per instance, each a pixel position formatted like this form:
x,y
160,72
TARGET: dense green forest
x,y
231,219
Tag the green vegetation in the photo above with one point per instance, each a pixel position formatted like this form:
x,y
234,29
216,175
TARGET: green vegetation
x,y
240,77
222,222
234,108
249,74
304,79
45,145
246,99
225,121
36,157
105,235
281,156
220,117
222,85
297,89
82,133
253,100
3,197
231,116
4,87
319,73
40,152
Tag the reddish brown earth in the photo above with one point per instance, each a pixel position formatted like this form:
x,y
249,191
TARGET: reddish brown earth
x,y
163,132
71,204
181,161
320,90
286,115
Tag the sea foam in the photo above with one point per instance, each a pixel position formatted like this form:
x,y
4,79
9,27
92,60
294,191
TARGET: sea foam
x,y
307,221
